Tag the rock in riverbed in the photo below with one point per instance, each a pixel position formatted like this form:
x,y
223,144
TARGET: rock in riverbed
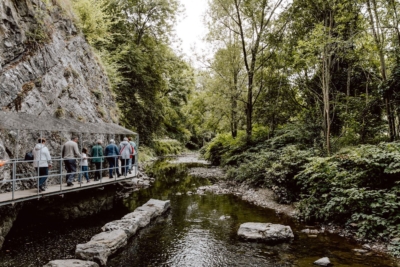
x,y
101,246
117,233
71,263
266,232
323,262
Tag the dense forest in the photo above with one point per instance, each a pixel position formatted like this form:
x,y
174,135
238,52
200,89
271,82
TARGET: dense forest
x,y
298,96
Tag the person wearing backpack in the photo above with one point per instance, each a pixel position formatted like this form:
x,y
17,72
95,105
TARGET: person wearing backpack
x,y
132,159
42,162
125,152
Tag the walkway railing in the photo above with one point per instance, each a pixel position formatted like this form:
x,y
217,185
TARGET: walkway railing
x,y
23,174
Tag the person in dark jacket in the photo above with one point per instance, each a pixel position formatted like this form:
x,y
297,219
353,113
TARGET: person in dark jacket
x,y
97,158
111,153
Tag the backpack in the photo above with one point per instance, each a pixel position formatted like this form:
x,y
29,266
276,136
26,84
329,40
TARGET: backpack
x,y
28,156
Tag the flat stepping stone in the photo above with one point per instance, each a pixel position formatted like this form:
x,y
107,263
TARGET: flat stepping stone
x,y
71,263
115,234
267,232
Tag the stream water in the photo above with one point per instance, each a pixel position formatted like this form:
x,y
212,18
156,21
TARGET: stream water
x,y
200,230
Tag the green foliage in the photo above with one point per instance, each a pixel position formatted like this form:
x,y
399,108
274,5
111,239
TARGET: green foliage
x,y
272,168
223,147
163,169
40,31
146,154
357,185
167,147
93,20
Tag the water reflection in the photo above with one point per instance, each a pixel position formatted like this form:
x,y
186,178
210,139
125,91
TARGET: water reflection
x,y
199,231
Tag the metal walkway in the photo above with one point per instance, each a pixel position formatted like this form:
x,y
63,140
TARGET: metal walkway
x,y
57,189
19,180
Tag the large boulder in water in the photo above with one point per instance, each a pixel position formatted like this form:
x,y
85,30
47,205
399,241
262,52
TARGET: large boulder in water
x,y
116,233
101,246
71,263
267,232
130,226
323,262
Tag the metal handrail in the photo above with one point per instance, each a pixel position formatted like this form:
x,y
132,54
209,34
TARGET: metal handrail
x,y
12,165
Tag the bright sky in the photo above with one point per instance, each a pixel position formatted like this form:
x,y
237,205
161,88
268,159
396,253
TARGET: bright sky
x,y
190,28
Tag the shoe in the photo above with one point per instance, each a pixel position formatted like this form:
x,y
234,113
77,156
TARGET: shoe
x,y
70,184
88,181
129,172
111,177
119,175
41,189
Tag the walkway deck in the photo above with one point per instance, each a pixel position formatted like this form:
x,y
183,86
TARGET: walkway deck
x,y
24,195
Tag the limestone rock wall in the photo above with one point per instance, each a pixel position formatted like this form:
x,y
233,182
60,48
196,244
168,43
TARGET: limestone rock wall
x,y
46,68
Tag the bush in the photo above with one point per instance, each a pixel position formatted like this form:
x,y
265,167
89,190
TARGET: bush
x,y
358,186
146,154
167,147
274,169
223,147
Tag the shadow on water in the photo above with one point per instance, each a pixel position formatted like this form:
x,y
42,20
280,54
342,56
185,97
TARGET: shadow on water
x,y
200,230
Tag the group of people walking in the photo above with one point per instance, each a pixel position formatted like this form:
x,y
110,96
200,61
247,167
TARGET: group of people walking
x,y
125,152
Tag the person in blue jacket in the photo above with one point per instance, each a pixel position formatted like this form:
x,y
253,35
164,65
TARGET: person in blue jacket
x,y
111,153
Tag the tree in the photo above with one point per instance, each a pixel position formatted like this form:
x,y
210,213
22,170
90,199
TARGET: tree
x,y
251,21
155,81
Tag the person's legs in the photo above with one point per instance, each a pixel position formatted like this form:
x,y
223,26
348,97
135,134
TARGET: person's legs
x,y
123,167
85,170
111,166
126,167
68,169
71,171
80,174
43,173
117,166
97,172
130,165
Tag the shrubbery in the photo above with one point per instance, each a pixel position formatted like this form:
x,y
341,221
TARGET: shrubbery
x,y
358,185
167,147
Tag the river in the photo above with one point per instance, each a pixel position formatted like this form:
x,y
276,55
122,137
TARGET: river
x,y
200,230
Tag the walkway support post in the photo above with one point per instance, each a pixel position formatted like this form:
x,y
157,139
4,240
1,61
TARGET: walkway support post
x,y
13,178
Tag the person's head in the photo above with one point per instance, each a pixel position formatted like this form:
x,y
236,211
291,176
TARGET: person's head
x,y
75,139
125,138
41,140
99,142
130,139
84,150
112,141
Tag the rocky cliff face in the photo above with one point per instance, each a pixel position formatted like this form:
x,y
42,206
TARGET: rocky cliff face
x,y
46,68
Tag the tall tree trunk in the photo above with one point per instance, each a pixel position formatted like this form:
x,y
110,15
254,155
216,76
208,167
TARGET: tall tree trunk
x,y
379,41
326,97
234,123
349,69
